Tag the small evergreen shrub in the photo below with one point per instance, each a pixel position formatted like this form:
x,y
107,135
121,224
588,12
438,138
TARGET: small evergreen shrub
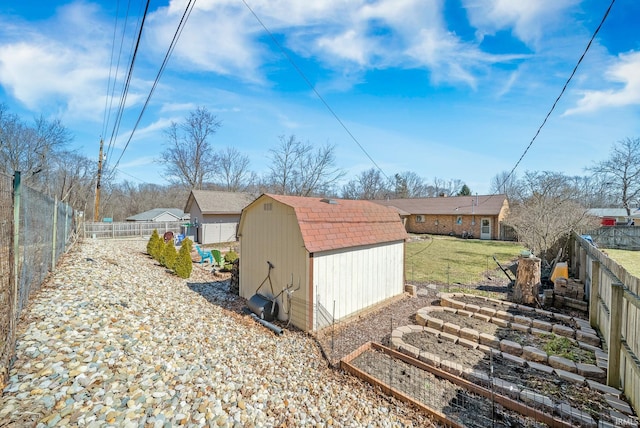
x,y
183,264
151,245
169,255
230,257
158,248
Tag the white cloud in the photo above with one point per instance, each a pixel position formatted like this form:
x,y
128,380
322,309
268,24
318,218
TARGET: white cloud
x,y
61,63
349,37
528,20
625,72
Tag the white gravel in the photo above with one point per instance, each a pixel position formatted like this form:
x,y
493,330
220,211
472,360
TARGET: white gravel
x,y
113,339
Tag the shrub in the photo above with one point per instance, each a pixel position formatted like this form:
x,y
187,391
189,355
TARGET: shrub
x,y
158,248
170,255
151,245
183,264
230,257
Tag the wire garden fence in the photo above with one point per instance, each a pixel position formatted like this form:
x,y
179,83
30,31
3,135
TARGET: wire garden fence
x,y
35,230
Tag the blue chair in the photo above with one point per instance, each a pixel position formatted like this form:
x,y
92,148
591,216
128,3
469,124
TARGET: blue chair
x,y
204,255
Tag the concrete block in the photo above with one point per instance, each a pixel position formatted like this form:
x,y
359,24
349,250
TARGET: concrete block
x,y
469,334
504,315
482,317
543,368
568,412
570,377
510,347
449,337
597,386
536,400
489,340
531,353
586,337
451,328
435,323
469,344
429,358
514,360
542,325
471,308
562,363
591,371
562,330
490,312
520,319
499,322
520,327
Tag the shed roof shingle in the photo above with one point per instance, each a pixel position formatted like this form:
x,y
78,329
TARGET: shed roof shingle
x,y
217,202
453,205
343,224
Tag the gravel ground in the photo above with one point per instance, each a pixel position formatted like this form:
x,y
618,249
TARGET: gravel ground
x,y
113,339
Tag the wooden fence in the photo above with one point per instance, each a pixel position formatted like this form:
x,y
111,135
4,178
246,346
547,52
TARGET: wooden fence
x,y
129,229
614,310
623,237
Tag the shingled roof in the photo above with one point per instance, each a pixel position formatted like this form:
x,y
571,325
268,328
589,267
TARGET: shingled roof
x,y
217,202
330,224
153,214
478,205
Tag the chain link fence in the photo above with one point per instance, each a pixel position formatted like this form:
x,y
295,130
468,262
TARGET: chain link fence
x,y
35,230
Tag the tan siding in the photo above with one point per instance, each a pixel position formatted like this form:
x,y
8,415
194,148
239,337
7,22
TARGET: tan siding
x,y
359,278
274,236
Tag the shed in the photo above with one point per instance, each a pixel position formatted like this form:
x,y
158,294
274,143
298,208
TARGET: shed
x,y
341,256
480,215
216,214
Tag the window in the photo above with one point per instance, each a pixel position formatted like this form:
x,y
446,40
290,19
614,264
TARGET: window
x,y
419,219
268,206
459,220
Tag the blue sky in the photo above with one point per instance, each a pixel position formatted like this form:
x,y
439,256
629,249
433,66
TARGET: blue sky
x,y
448,89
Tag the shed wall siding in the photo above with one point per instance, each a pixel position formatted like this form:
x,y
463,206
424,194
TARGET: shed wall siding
x,y
274,236
355,279
218,228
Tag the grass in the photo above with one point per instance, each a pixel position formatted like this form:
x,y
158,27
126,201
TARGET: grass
x,y
630,260
449,260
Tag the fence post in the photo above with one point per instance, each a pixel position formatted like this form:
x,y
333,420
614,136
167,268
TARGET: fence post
x,y
13,314
594,295
55,232
615,325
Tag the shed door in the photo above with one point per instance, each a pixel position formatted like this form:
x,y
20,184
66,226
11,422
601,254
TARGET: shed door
x,y
485,228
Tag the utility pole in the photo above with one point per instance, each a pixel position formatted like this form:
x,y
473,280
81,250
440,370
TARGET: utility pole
x,y
96,208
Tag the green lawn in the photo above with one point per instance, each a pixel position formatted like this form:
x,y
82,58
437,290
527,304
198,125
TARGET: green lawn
x,y
449,260
630,260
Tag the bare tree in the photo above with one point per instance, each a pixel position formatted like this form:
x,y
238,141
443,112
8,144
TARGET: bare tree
x,y
545,211
189,158
505,183
442,187
234,170
297,169
369,184
30,149
621,171
408,184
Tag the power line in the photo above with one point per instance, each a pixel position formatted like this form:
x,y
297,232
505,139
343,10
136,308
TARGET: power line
x,y
308,82
174,41
561,92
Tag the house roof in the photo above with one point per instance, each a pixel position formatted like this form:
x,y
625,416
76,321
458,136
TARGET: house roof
x,y
217,202
153,214
343,223
452,205
612,212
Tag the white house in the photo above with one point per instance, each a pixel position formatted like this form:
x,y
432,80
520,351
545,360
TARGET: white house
x,y
341,256
215,214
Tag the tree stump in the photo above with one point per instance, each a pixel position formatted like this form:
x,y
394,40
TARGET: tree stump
x,y
527,282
